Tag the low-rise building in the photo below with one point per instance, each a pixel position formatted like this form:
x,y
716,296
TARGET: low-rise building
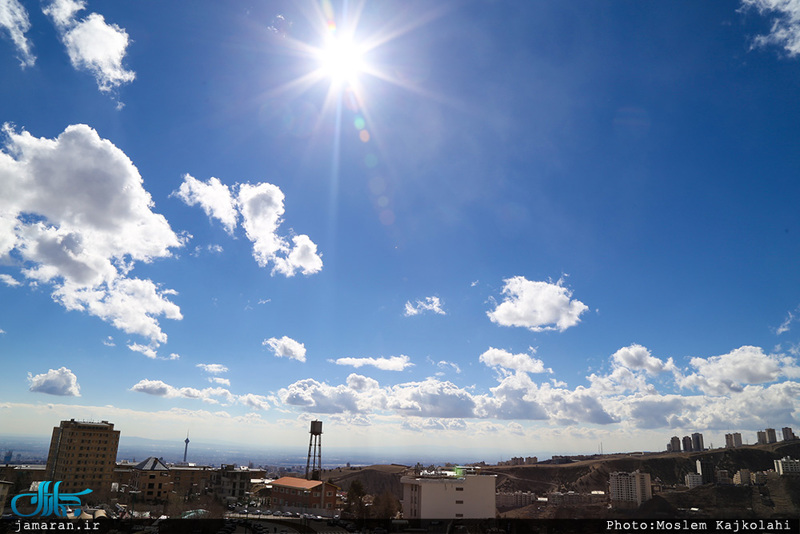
x,y
292,494
516,499
232,482
787,466
444,494
693,480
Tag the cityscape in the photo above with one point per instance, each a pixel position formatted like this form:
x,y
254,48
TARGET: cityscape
x,y
523,260
83,456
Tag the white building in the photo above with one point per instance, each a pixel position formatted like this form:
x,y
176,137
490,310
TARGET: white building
x,y
787,466
630,487
445,494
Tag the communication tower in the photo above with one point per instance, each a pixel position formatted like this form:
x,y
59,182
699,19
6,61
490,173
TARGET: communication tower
x,y
186,448
314,462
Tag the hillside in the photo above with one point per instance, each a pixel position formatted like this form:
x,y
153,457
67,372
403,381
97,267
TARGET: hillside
x,y
376,479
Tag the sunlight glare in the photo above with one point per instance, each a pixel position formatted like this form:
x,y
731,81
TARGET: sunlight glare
x,y
341,59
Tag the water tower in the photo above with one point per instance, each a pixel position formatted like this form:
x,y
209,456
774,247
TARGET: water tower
x,y
314,462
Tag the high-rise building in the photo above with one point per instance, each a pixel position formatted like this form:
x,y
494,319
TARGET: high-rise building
x,y
761,436
630,488
687,444
706,469
697,442
82,455
771,436
733,440
675,444
788,434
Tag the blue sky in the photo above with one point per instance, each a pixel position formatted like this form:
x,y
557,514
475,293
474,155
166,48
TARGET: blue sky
x,y
499,227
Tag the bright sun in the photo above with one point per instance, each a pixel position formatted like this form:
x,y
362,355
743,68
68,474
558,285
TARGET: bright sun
x,y
341,59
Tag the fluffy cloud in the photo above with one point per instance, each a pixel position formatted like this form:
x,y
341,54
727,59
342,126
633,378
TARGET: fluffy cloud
x,y
76,213
213,196
92,44
638,357
517,362
14,20
720,375
60,381
257,402
219,380
261,209
431,304
286,347
357,396
9,280
392,363
431,398
785,30
538,306
213,368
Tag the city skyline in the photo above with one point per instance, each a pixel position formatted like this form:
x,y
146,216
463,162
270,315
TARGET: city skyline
x,y
501,227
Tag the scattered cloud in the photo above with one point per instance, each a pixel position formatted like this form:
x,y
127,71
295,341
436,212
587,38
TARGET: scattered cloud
x,y
109,342
785,30
219,380
14,20
286,347
638,357
159,388
9,280
213,196
515,362
431,304
537,306
786,324
60,381
256,402
92,44
445,365
392,363
74,210
147,350
261,210
213,368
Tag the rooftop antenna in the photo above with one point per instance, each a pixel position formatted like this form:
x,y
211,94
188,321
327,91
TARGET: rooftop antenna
x,y
314,461
186,448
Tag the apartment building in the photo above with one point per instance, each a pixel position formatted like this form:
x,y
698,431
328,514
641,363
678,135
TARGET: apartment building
x,y
83,455
628,489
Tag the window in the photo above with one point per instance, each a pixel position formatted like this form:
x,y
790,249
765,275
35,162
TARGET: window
x,y
459,502
459,489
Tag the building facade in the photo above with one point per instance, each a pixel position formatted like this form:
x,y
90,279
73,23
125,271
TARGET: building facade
x,y
300,495
675,444
788,434
733,440
83,455
787,466
626,489
771,435
693,480
687,444
461,493
697,442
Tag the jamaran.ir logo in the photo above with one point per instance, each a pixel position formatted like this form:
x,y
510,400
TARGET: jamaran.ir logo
x,y
49,502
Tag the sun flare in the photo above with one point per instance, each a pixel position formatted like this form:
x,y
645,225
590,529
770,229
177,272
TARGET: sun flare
x,y
341,59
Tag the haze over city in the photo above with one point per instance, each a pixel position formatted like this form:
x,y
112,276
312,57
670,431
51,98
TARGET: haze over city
x,y
491,228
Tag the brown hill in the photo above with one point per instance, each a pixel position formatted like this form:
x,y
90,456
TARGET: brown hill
x,y
376,479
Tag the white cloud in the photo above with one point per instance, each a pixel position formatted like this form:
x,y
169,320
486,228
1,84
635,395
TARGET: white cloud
x,y
213,368
147,350
9,280
431,398
785,30
786,324
720,375
60,381
359,395
538,306
449,365
109,342
392,363
160,388
213,196
76,213
286,347
638,357
432,304
517,362
14,19
257,402
261,209
219,380
92,44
